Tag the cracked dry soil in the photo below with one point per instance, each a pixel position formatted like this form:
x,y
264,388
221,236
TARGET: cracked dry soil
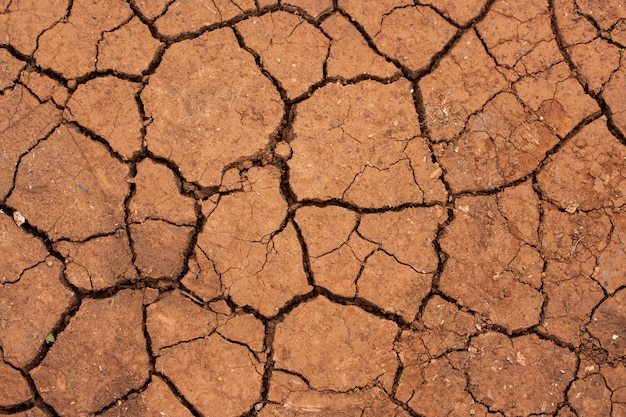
x,y
312,208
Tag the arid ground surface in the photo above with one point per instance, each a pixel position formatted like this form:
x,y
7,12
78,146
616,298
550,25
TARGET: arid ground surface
x,y
312,208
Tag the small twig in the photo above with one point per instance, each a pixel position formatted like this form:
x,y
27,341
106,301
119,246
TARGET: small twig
x,y
192,297
571,252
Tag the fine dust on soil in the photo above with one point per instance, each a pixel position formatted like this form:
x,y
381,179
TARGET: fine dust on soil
x,y
312,208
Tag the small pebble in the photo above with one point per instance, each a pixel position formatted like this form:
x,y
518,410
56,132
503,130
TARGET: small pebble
x,y
18,218
283,150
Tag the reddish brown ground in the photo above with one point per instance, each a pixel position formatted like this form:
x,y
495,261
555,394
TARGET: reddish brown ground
x,y
312,208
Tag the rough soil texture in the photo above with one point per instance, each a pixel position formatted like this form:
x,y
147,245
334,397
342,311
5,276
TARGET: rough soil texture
x,y
313,208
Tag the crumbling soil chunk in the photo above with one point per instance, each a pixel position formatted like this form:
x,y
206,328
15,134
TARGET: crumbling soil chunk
x,y
279,35
500,368
68,170
248,224
219,377
23,22
167,321
98,263
607,325
13,387
158,396
209,101
350,56
336,155
113,363
469,66
128,49
320,339
185,16
502,143
160,248
24,121
595,161
107,107
572,242
294,398
168,205
30,308
69,46
484,281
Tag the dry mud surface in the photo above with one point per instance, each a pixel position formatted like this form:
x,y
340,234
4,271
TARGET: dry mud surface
x,y
312,208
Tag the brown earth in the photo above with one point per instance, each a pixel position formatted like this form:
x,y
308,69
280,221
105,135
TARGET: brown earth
x,y
312,208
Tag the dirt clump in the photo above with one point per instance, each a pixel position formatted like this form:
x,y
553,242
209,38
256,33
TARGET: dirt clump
x,y
319,339
219,377
202,106
493,283
98,263
69,170
278,35
499,371
291,397
15,389
157,396
107,107
112,363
